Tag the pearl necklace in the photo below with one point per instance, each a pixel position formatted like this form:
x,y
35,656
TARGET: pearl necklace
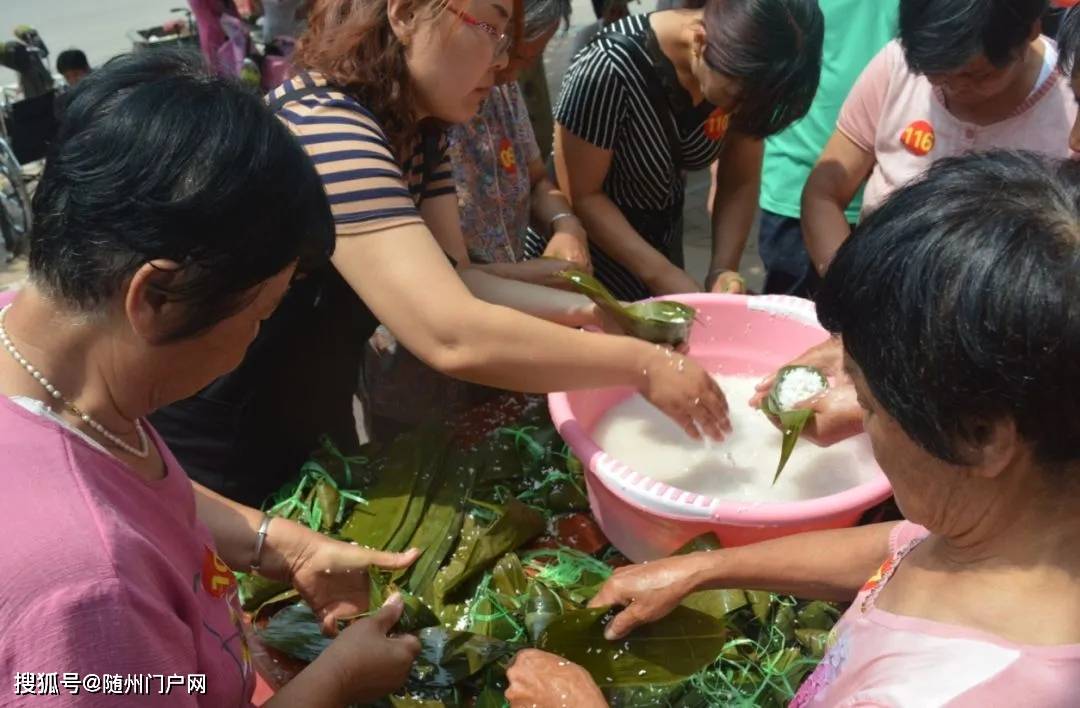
x,y
142,452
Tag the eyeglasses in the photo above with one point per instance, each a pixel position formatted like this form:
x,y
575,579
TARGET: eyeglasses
x,y
502,39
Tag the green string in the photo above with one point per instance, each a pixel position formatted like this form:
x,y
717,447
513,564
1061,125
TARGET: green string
x,y
552,476
499,612
746,681
566,568
302,504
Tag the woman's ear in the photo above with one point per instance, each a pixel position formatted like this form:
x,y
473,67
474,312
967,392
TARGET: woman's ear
x,y
402,16
993,447
697,39
1036,30
150,312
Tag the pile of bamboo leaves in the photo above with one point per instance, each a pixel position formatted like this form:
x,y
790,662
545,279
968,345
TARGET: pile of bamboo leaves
x,y
495,576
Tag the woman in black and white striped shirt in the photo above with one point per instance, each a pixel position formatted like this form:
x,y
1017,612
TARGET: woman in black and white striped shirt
x,y
652,97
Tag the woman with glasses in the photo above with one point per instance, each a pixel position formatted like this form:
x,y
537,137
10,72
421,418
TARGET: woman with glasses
x,y
378,80
652,97
503,191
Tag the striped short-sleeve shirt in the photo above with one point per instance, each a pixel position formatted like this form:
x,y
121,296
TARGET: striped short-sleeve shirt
x,y
605,101
369,188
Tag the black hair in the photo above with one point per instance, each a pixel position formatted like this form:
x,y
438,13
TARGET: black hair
x,y
773,48
959,300
1068,39
541,16
72,60
939,36
157,159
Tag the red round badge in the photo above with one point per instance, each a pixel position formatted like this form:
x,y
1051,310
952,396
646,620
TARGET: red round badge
x,y
918,138
716,125
506,156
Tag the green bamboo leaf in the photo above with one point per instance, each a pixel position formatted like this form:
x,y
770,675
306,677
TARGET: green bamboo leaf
x,y
705,542
658,321
667,651
791,425
792,422
717,603
448,657
415,616
428,468
442,523
817,615
575,467
508,576
478,551
784,621
397,475
669,695
761,603
490,697
661,321
494,615
542,606
275,603
328,502
295,631
255,590
815,641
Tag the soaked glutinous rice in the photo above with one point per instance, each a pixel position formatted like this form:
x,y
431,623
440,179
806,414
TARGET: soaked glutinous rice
x,y
740,468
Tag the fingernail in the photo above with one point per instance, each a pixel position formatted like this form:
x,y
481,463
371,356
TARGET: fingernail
x,y
394,599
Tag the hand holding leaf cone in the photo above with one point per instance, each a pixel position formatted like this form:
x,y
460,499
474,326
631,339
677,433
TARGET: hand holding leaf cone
x,y
656,321
791,383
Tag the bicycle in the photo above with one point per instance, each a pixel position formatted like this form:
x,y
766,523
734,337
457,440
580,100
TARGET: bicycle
x,y
16,218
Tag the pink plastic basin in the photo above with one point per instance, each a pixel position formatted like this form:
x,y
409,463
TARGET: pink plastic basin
x,y
647,519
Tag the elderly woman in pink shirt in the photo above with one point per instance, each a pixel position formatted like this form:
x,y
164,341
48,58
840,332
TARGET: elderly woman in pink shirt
x,y
965,75
170,221
968,388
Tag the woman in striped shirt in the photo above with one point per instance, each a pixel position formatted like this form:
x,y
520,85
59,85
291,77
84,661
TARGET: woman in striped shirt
x,y
653,96
378,80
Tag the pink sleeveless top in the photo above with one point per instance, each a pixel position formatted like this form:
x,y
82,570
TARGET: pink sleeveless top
x,y
876,658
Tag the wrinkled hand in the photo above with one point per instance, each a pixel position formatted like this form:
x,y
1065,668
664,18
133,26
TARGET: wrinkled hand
x,y
684,391
647,591
332,576
365,662
728,281
542,680
837,414
673,281
571,247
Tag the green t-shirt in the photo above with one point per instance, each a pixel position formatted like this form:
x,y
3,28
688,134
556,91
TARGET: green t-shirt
x,y
855,30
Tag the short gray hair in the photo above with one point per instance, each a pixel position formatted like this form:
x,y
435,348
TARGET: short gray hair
x,y
542,16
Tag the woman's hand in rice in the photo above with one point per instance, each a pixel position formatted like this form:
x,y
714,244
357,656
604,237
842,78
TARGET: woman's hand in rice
x,y
686,393
649,591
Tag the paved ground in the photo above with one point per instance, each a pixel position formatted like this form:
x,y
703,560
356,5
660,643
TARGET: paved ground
x,y
100,29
